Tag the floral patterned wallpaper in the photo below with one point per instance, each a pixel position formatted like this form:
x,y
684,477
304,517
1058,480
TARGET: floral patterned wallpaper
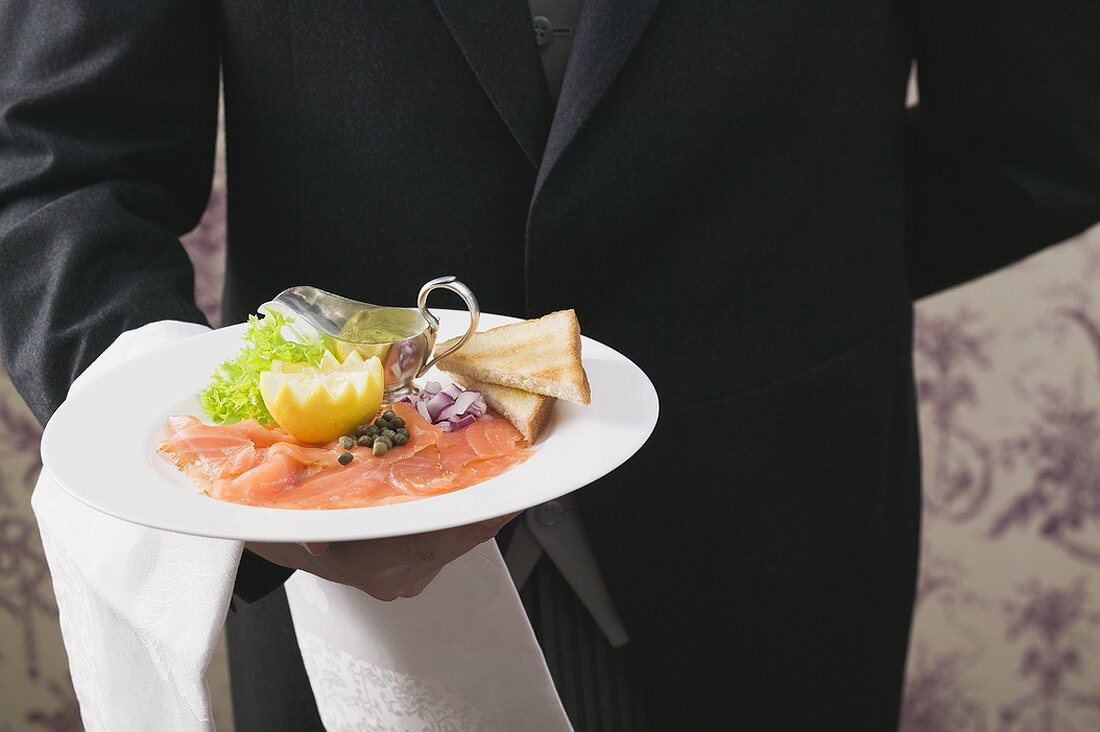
x,y
1007,627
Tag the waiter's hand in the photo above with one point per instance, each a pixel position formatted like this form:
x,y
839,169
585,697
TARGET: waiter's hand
x,y
384,568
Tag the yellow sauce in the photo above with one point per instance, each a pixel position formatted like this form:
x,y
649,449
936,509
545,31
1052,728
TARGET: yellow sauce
x,y
381,325
371,331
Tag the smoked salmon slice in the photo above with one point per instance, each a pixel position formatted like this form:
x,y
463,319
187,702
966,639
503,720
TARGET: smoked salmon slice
x,y
421,473
260,484
249,463
484,439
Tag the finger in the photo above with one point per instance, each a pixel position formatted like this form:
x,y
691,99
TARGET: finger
x,y
446,545
381,565
482,531
502,520
406,581
478,531
417,587
315,548
440,548
384,594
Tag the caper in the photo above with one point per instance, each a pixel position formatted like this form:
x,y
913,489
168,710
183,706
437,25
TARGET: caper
x,y
365,441
400,439
347,442
345,458
388,414
397,423
404,431
388,433
362,430
380,447
381,423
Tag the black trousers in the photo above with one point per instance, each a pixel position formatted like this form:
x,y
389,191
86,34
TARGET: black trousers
x,y
271,691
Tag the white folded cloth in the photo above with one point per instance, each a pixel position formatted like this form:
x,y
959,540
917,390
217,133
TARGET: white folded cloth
x,y
141,610
459,656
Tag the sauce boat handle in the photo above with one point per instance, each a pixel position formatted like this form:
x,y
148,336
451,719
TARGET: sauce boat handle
x,y
447,283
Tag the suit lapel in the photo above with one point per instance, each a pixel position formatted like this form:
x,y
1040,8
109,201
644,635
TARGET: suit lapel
x,y
498,42
607,32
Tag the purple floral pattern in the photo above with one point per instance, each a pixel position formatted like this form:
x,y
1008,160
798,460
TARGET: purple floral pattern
x,y
21,434
34,678
1060,452
938,698
205,245
961,460
1006,635
24,580
1054,626
62,716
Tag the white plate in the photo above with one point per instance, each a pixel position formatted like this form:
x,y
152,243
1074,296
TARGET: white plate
x,y
100,447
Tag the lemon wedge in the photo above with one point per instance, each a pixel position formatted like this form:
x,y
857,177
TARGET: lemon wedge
x,y
320,403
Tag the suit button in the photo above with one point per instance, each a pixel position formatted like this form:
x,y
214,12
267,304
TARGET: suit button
x,y
544,30
549,514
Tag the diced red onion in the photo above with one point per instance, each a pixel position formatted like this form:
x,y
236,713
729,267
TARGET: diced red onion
x,y
450,407
448,413
438,403
454,391
465,400
466,421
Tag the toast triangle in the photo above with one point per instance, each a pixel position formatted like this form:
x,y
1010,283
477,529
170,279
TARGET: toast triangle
x,y
541,356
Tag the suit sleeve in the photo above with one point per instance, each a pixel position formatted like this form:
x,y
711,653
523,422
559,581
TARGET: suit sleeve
x,y
108,116
1003,150
108,113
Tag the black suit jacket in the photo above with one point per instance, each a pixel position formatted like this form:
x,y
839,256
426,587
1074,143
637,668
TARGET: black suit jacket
x,y
730,192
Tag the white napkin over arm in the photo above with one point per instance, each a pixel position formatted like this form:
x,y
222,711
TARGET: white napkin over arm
x,y
459,656
140,609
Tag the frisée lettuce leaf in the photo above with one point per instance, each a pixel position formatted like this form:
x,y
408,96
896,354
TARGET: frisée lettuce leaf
x,y
234,390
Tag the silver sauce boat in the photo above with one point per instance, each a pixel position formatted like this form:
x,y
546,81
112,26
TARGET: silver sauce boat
x,y
405,356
